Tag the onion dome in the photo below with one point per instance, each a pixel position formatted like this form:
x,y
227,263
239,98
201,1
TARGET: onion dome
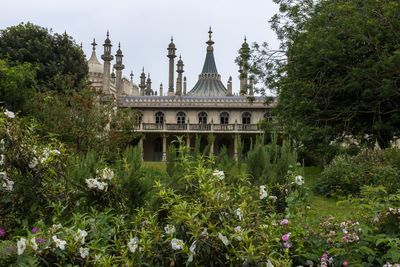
x,y
94,65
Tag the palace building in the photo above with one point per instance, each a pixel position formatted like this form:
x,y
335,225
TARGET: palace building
x,y
209,108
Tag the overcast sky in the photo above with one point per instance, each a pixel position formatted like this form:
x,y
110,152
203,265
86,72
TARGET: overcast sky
x,y
145,27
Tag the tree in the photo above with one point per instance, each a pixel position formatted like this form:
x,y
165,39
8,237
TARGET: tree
x,y
60,63
338,69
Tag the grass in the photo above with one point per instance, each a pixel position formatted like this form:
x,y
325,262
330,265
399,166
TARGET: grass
x,y
159,165
322,206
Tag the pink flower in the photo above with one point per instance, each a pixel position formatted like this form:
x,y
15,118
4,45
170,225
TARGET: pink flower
x,y
284,222
287,244
35,229
40,240
2,231
345,263
285,237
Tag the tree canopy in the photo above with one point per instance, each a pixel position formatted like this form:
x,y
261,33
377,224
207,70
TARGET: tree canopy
x,y
60,63
338,71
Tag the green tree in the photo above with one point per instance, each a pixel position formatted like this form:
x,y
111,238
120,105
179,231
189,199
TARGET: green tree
x,y
60,63
337,70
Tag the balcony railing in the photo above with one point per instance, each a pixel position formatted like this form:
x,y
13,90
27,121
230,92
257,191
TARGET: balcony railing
x,y
155,127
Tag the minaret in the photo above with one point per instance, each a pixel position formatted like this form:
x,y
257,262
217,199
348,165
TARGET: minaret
x,y
148,86
142,84
229,87
179,70
244,67
171,55
161,90
131,76
113,76
107,57
118,66
251,86
184,85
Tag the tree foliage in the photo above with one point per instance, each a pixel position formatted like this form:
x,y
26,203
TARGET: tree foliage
x,y
337,71
60,63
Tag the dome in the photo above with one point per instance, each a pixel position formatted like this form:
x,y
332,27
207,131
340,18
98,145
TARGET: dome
x,y
94,65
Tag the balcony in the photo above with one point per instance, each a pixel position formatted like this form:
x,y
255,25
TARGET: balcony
x,y
193,128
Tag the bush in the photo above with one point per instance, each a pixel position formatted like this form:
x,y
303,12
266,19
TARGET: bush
x,y
347,174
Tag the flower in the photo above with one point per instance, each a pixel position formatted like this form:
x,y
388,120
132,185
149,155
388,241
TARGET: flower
x,y
238,230
55,227
40,240
2,231
59,243
35,229
284,222
84,252
133,244
21,246
224,239
269,263
219,174
263,193
177,244
9,114
299,180
34,162
273,198
105,174
192,251
204,232
34,244
80,236
287,244
239,214
96,184
285,237
169,229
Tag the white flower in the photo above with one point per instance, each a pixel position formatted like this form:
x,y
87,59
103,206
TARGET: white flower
x,y
34,162
239,214
273,198
192,251
169,229
133,244
105,174
59,243
177,244
299,180
8,185
269,264
80,236
34,244
263,193
84,252
204,232
96,184
21,246
239,232
224,239
219,174
9,114
55,227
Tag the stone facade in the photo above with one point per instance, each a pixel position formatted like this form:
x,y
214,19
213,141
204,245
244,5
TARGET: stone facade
x,y
208,109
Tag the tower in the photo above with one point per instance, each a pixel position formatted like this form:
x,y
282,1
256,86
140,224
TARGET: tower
x,y
107,57
142,84
179,81
171,55
118,66
244,67
184,85
149,91
161,90
229,92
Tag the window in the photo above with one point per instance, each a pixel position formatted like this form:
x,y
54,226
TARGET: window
x,y
159,117
246,118
202,118
180,118
224,118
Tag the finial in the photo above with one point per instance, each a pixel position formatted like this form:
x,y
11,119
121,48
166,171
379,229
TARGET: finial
x,y
119,45
172,39
81,46
131,75
148,75
210,42
245,39
230,78
94,44
180,57
108,34
142,69
184,78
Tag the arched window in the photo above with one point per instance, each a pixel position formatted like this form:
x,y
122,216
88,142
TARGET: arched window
x,y
180,117
159,117
202,118
224,118
246,118
267,116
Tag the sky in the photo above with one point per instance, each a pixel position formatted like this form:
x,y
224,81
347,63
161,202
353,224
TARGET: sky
x,y
144,29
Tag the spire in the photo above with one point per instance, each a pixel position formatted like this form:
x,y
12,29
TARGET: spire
x,y
210,42
94,44
131,76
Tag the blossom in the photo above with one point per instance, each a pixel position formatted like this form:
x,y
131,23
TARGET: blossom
x,y
284,222
80,236
105,174
33,244
169,229
177,244
224,239
287,244
192,251
269,263
299,180
40,240
2,231
35,229
21,246
59,243
9,114
273,198
285,237
238,230
55,227
96,184
84,252
7,184
133,244
219,174
34,162
239,214
263,193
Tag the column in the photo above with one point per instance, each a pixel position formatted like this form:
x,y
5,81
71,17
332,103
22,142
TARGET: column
x,y
212,148
164,147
